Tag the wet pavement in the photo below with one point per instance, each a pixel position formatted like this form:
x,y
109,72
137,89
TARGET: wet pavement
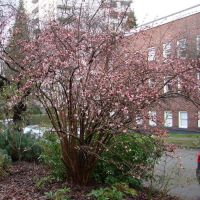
x,y
176,174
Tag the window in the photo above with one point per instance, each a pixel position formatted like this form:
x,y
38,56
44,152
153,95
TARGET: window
x,y
198,75
179,84
167,50
151,53
168,121
183,119
198,119
139,120
152,118
167,84
181,48
151,82
198,44
2,66
198,79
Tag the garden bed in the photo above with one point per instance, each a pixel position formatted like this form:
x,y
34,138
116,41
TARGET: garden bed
x,y
21,183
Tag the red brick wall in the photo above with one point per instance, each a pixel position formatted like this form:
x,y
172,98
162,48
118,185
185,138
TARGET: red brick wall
x,y
189,28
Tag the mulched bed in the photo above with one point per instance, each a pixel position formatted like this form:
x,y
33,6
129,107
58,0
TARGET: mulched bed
x,y
20,184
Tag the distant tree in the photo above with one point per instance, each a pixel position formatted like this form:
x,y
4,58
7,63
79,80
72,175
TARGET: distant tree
x,y
14,51
131,20
19,34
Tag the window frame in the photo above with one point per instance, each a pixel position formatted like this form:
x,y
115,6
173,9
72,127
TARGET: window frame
x,y
151,54
165,119
180,120
167,84
167,49
181,47
152,118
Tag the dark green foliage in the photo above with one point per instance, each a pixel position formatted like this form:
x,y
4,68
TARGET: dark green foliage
x,y
125,189
34,110
19,34
60,194
107,194
15,53
128,159
51,155
20,146
43,182
131,21
5,161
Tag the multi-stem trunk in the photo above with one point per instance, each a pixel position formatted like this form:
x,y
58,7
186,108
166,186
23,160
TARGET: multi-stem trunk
x,y
79,164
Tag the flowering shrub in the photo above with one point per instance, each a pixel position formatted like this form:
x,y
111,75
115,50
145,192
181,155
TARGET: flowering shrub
x,y
93,85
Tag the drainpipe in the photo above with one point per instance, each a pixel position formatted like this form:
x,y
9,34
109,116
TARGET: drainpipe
x,y
198,168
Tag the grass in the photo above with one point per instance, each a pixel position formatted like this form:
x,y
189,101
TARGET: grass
x,y
180,135
40,119
189,140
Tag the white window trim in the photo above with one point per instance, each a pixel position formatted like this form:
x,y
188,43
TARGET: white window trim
x,y
166,124
179,119
198,44
179,84
198,119
181,46
151,82
139,120
198,75
152,118
167,49
166,85
151,53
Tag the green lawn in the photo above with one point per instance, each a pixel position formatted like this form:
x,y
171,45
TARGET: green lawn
x,y
40,119
184,140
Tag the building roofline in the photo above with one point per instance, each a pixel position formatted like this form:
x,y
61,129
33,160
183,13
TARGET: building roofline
x,y
166,19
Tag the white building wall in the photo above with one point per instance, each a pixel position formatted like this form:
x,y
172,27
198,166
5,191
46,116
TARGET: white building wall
x,y
43,10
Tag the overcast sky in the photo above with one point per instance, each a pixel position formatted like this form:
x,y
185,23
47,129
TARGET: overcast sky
x,y
148,10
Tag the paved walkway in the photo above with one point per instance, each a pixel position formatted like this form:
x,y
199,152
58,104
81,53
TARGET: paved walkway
x,y
177,174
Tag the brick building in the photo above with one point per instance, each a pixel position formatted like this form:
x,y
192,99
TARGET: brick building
x,y
176,35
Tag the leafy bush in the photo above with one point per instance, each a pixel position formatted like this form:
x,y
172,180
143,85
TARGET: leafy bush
x,y
51,155
5,160
107,194
125,189
60,194
20,146
128,158
43,182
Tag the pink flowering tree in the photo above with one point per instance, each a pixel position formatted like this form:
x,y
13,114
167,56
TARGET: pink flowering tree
x,y
93,86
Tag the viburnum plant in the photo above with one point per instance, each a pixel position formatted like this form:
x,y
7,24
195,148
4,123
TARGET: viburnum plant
x,y
92,86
